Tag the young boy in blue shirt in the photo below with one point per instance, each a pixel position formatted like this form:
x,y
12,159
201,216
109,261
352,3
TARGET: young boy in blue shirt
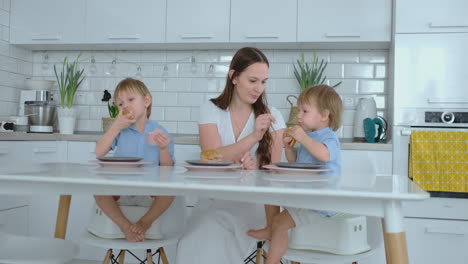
x,y
320,110
133,134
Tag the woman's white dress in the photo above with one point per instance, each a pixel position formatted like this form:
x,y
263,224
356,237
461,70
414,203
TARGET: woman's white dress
x,y
216,231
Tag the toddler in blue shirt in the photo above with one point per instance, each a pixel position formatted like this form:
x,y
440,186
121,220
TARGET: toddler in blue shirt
x,y
320,110
133,134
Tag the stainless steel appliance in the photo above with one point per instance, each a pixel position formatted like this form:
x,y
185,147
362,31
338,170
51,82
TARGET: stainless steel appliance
x,y
41,116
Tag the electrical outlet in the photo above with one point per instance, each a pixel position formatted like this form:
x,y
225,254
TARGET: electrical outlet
x,y
348,102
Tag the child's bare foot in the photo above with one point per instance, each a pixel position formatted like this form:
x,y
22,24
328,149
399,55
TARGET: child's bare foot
x,y
264,233
132,236
140,227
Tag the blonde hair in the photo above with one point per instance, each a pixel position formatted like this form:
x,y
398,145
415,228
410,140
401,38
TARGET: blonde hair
x,y
131,85
326,99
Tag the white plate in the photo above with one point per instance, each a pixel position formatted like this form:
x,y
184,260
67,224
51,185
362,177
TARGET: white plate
x,y
295,178
277,169
122,164
210,168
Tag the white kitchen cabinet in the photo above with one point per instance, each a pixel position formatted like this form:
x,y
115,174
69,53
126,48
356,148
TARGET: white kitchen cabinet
x,y
434,241
251,25
15,220
47,21
80,152
344,21
430,72
121,21
13,153
431,16
197,21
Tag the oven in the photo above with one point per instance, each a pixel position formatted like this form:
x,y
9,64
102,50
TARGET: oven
x,y
437,127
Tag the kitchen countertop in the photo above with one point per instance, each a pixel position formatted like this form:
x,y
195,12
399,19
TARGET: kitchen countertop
x,y
181,139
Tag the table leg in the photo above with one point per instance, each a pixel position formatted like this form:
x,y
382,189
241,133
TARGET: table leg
x,y
394,234
62,216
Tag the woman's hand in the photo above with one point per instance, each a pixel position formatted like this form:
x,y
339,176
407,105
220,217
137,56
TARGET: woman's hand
x,y
262,124
158,138
248,162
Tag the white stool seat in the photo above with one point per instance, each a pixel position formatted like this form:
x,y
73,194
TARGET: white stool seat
x,y
15,249
124,244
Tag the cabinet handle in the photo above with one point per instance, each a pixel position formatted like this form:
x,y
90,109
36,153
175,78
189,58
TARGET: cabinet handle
x,y
44,150
196,36
262,36
328,35
446,230
46,37
435,25
135,36
4,151
405,132
447,100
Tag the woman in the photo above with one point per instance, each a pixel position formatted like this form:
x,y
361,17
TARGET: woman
x,y
239,124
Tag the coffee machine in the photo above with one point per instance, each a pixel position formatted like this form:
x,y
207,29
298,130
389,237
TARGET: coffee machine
x,y
40,109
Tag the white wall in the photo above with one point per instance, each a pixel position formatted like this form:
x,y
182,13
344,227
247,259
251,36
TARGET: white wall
x,y
15,65
178,93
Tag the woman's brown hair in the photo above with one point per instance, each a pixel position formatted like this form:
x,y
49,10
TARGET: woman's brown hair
x,y
241,60
326,99
131,85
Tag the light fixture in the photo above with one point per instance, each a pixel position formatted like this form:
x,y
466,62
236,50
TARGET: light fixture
x,y
165,72
93,67
193,66
211,71
112,68
138,74
45,61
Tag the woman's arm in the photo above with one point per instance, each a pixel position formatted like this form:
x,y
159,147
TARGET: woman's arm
x,y
210,139
277,145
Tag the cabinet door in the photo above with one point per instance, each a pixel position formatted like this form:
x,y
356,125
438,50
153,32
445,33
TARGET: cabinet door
x,y
430,70
426,16
447,238
47,21
121,21
259,22
197,21
14,153
15,220
81,152
343,20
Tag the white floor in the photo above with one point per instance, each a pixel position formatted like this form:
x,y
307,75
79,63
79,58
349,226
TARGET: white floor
x,y
77,261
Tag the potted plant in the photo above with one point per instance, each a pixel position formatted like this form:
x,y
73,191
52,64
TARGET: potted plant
x,y
307,75
113,111
69,80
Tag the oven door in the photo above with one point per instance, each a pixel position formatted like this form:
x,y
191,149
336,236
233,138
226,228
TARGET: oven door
x,y
401,153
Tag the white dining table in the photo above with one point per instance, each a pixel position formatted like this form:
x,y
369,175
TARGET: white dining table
x,y
360,193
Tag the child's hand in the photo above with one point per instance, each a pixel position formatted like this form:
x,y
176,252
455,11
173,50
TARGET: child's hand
x,y
123,121
296,132
158,138
262,124
248,162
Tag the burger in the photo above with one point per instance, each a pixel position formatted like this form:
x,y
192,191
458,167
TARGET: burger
x,y
211,155
286,134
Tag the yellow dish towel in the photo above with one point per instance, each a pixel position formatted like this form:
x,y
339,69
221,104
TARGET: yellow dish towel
x,y
439,160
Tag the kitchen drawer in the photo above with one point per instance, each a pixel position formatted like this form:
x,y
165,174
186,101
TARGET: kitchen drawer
x,y
81,152
15,220
435,241
442,208
13,153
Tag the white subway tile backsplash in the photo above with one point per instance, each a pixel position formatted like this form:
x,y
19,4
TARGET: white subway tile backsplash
x,y
177,85
9,94
309,56
88,125
187,127
371,86
177,114
380,56
4,48
178,93
344,57
21,54
4,18
359,71
5,33
380,71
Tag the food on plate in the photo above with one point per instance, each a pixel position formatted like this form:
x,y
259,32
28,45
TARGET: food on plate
x,y
211,155
286,134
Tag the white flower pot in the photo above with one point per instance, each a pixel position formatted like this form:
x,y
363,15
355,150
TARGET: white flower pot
x,y
66,119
